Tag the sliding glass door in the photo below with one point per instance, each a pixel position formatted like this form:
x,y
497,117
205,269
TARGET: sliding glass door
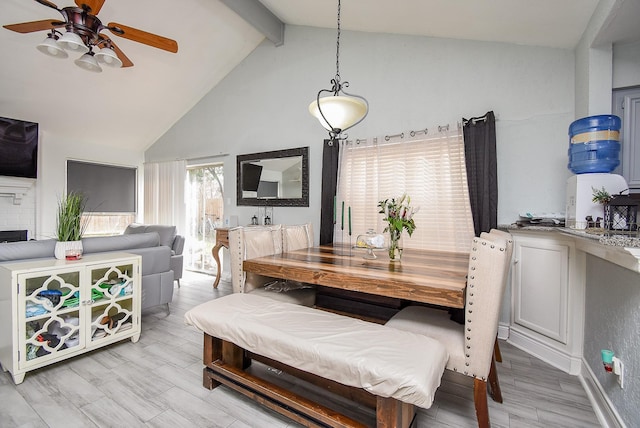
x,y
205,205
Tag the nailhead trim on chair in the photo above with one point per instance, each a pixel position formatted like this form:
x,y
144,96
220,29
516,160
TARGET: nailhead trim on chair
x,y
469,320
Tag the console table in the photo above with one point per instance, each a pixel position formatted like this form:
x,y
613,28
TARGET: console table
x,y
222,240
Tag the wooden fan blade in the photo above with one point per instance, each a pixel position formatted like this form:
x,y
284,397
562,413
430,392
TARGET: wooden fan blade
x,y
93,6
126,62
48,4
143,37
30,27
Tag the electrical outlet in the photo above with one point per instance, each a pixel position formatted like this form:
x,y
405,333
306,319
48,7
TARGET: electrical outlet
x,y
618,369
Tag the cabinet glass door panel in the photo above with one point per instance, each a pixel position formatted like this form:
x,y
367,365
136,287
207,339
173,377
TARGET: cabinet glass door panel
x,y
112,303
112,282
52,311
111,319
52,336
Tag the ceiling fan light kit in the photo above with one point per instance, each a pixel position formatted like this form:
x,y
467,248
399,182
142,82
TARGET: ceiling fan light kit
x,y
108,57
84,34
73,42
88,62
340,110
51,47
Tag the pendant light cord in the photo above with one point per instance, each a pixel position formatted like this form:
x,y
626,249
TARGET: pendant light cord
x,y
338,48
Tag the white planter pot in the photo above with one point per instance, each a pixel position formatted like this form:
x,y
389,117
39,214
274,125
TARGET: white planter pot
x,y
73,247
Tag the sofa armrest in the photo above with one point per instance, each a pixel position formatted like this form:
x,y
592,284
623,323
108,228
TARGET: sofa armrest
x,y
177,262
178,245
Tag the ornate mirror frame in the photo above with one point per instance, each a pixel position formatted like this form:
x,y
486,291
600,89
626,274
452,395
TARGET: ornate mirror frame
x,y
274,202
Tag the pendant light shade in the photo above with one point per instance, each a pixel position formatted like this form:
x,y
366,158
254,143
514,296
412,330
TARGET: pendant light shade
x,y
50,47
108,57
338,111
341,112
88,62
73,42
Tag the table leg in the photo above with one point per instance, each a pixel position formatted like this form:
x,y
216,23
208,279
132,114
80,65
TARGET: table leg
x,y
215,252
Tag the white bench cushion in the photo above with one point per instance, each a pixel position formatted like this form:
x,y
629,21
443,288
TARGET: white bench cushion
x,y
382,360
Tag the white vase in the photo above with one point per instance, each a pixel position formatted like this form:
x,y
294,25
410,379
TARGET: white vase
x,y
72,248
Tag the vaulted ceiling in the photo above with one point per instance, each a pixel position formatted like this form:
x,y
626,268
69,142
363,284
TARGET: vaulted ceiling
x,y
132,107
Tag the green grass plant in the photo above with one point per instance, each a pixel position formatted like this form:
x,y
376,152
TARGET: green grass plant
x,y
69,224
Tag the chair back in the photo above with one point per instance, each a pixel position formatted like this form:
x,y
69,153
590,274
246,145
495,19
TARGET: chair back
x,y
297,236
248,243
497,235
488,266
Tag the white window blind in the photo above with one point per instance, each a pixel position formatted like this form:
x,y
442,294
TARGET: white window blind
x,y
429,168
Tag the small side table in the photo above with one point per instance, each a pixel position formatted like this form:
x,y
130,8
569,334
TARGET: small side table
x,y
222,240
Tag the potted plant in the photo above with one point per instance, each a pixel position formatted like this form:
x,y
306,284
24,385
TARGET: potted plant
x,y
600,196
70,226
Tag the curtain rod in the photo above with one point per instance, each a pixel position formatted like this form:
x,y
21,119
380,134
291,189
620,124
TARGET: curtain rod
x,y
424,131
412,133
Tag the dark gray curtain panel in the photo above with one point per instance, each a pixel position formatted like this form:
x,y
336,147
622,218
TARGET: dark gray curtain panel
x,y
330,152
482,171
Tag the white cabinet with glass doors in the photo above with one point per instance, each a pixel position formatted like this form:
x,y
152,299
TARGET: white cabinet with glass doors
x,y
52,310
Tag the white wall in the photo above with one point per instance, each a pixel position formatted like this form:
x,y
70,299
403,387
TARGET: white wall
x,y
626,65
612,319
594,65
410,83
19,217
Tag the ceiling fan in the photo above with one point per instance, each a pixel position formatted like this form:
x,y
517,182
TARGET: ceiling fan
x,y
84,33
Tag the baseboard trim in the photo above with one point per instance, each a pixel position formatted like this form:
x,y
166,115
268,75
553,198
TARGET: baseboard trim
x,y
546,353
603,407
503,331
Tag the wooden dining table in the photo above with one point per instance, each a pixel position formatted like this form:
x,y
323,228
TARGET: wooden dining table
x,y
425,276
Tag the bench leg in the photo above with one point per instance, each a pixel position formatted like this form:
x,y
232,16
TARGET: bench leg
x,y
391,413
215,349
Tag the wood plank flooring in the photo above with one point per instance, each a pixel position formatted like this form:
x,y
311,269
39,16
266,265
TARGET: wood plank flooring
x,y
157,382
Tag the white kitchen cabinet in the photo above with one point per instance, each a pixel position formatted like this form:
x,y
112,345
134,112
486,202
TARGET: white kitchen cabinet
x,y
547,298
626,105
52,310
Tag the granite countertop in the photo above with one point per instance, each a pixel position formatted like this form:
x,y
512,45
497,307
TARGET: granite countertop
x,y
628,240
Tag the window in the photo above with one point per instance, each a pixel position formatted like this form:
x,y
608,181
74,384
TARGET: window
x,y
111,195
430,169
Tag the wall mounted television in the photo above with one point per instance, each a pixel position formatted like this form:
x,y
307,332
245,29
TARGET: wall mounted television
x,y
18,148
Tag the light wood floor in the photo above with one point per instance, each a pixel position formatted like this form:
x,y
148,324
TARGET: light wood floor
x,y
157,382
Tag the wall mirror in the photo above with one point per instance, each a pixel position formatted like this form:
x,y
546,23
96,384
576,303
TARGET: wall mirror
x,y
277,179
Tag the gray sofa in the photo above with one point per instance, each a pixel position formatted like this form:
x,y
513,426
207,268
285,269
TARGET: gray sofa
x,y
157,276
169,237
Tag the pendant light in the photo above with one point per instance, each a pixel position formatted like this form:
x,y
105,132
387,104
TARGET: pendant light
x,y
340,110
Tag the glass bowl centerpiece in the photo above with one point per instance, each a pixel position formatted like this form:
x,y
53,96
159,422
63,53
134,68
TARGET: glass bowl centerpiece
x,y
370,241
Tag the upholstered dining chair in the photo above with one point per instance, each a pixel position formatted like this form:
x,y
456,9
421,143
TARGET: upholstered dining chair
x,y
259,241
471,345
506,236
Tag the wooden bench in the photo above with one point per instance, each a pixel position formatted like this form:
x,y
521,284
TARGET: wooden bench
x,y
386,369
